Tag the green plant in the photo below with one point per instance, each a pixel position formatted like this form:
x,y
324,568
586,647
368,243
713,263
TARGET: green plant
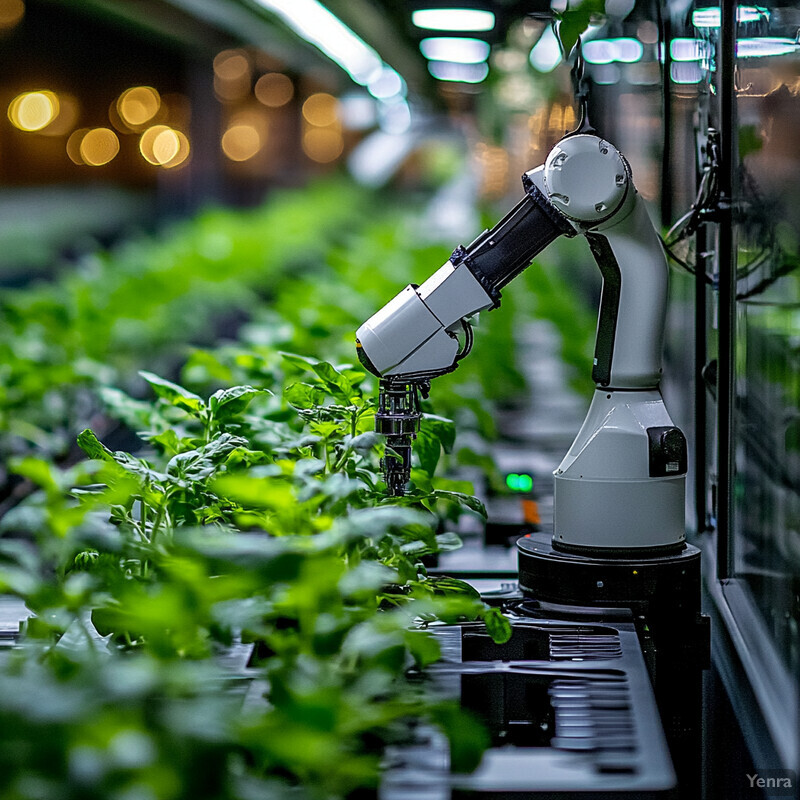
x,y
257,518
115,312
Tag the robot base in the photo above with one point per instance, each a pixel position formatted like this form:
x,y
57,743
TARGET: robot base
x,y
663,592
650,584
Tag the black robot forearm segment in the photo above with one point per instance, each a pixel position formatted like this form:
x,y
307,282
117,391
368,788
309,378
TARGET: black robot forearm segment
x,y
415,334
498,255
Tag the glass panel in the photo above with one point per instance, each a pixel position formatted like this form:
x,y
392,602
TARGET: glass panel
x,y
767,503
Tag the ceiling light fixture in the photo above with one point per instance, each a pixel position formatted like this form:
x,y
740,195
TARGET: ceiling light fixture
x,y
461,50
453,19
388,84
689,49
607,51
712,17
460,73
311,20
761,46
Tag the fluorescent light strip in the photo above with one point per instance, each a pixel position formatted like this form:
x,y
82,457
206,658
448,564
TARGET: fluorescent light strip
x,y
311,20
461,73
689,49
460,50
761,46
453,19
685,72
387,85
712,17
607,51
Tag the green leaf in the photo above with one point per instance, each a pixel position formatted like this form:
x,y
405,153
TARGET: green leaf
x,y
227,403
465,500
467,735
364,442
443,429
365,580
749,140
175,395
423,647
573,22
452,586
335,383
427,449
338,385
375,523
169,442
93,447
37,471
497,626
255,492
303,395
199,465
448,541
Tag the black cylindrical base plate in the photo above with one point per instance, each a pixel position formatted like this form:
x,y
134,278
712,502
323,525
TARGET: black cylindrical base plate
x,y
665,584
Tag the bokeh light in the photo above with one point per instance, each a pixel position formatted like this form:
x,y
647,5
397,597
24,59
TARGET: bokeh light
x,y
274,89
232,65
182,153
68,112
166,146
321,110
74,145
163,146
11,13
32,111
232,74
138,105
99,146
241,141
323,145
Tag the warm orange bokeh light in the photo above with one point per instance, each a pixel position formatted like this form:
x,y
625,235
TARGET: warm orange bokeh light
x,y
74,145
147,143
163,146
99,146
321,110
274,89
32,111
138,105
241,142
182,153
323,145
232,65
11,13
166,146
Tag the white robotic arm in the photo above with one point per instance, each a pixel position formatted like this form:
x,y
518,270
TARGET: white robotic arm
x,y
621,485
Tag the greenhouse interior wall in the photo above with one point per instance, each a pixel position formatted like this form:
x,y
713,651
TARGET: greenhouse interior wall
x,y
243,557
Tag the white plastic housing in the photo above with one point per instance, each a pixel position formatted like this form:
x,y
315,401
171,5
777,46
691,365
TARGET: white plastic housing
x,y
639,336
586,178
604,495
414,332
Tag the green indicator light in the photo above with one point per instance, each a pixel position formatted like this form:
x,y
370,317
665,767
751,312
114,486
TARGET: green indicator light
x,y
519,483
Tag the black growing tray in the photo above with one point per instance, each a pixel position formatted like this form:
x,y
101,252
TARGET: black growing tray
x,y
568,705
